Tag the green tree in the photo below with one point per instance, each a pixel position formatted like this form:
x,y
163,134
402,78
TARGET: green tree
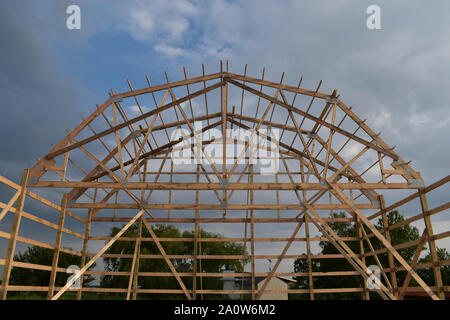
x,y
402,234
159,265
44,256
427,274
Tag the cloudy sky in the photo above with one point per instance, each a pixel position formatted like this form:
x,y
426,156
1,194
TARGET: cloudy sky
x,y
396,77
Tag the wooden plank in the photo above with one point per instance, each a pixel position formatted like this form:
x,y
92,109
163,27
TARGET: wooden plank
x,y
317,120
351,257
283,254
11,202
193,206
44,222
251,138
308,253
135,262
432,245
131,121
374,136
215,220
415,259
169,263
92,261
252,237
13,236
147,134
361,250
215,186
85,247
118,142
196,240
266,83
383,240
393,275
39,198
57,247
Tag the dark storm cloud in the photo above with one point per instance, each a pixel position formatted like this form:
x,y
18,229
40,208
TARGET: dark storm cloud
x,y
38,101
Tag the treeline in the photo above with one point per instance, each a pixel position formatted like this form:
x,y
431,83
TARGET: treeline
x,y
403,234
44,256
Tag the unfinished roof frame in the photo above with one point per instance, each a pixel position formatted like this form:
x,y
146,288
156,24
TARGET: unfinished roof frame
x,y
308,139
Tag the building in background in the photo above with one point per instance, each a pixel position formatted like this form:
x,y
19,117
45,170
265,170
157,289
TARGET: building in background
x,y
245,283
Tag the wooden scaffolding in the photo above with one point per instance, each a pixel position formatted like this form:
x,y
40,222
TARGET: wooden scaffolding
x,y
115,166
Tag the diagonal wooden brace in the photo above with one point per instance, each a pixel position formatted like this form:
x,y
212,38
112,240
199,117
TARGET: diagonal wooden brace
x,y
169,263
351,257
345,200
91,262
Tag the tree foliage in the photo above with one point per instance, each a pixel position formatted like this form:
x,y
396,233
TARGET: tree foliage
x,y
402,234
44,256
171,248
427,274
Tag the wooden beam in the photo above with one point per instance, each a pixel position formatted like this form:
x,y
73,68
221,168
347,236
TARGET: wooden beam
x,y
99,254
351,257
136,119
196,232
135,262
283,254
308,253
57,247
432,245
215,186
387,233
415,259
9,258
10,204
311,117
342,197
213,220
169,263
85,247
252,236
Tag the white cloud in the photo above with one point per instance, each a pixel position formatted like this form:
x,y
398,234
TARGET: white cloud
x,y
419,119
168,50
134,110
158,20
382,119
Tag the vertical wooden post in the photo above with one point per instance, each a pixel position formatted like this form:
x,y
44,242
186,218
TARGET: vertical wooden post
x,y
133,271
224,94
359,230
252,236
57,248
277,196
432,245
85,246
87,234
138,257
13,235
194,267
170,191
392,272
308,253
361,253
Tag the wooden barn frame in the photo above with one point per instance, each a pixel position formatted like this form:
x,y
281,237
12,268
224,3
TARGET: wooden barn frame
x,y
329,160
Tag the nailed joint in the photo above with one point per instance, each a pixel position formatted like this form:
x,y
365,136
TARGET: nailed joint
x,y
116,99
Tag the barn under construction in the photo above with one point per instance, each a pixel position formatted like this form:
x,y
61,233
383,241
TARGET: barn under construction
x,y
267,163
